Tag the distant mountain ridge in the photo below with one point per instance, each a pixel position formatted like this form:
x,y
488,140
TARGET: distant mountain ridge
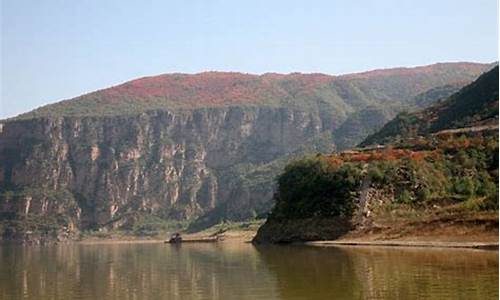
x,y
474,104
344,93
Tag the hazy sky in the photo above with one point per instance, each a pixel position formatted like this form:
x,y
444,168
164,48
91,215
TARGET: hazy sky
x,y
52,50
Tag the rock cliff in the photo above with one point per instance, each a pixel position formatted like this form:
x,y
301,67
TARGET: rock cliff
x,y
98,171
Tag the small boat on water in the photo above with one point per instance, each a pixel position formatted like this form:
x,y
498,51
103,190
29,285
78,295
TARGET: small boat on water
x,y
177,239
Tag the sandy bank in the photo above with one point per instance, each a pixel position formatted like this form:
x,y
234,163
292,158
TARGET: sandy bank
x,y
434,244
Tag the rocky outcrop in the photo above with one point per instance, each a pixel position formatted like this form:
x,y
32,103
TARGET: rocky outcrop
x,y
299,230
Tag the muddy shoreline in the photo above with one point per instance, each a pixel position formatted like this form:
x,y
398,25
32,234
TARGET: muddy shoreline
x,y
413,244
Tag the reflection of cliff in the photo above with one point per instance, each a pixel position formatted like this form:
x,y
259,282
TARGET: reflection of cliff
x,y
227,271
241,271
154,271
312,273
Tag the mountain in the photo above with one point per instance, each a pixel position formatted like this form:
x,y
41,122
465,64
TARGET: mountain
x,y
187,148
436,175
474,104
338,94
371,118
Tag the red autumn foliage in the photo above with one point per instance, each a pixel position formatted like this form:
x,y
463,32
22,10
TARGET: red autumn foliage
x,y
333,161
418,71
458,143
218,87
235,88
387,154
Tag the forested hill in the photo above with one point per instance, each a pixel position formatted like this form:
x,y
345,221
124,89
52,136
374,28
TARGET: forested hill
x,y
340,95
475,104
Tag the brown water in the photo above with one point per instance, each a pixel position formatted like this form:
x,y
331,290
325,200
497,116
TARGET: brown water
x,y
242,271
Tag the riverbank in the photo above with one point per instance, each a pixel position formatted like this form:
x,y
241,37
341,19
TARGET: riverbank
x,y
247,236
445,230
440,225
232,231
445,227
481,241
415,244
229,236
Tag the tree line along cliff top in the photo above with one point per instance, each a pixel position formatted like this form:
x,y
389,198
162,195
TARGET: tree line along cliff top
x,y
339,94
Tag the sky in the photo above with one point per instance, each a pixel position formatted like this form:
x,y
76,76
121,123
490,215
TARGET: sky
x,y
53,50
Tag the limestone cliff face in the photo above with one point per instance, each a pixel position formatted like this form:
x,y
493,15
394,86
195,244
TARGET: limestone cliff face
x,y
98,171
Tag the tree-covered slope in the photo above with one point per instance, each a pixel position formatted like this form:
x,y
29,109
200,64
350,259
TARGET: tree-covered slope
x,y
472,105
372,118
441,179
447,178
429,97
339,95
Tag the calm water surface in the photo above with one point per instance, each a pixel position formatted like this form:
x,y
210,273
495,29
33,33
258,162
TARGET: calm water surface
x,y
242,271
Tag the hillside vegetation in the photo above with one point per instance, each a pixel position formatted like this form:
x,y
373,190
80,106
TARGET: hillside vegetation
x,y
442,179
443,170
475,104
339,94
427,176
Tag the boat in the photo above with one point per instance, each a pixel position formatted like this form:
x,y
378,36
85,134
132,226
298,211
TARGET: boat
x,y
177,239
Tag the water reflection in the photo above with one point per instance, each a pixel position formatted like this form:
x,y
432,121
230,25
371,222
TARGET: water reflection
x,y
312,273
134,272
383,273
391,273
241,271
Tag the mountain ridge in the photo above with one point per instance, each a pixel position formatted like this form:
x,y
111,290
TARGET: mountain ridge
x,y
214,89
474,103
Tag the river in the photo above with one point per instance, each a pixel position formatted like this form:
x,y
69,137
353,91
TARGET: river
x,y
231,270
